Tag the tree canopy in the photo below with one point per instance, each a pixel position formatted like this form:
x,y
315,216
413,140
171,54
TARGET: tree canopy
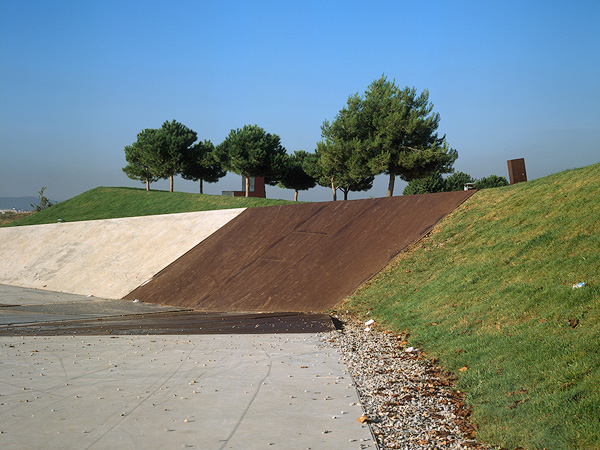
x,y
199,164
177,140
142,155
158,153
252,152
336,165
491,182
457,181
294,176
427,185
392,131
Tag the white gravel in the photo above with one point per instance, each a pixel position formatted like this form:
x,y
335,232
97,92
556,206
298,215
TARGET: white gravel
x,y
407,402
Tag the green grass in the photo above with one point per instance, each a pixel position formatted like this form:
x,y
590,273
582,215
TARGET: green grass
x,y
491,289
114,202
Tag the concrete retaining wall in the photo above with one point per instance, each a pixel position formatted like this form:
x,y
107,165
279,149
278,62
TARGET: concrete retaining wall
x,y
104,258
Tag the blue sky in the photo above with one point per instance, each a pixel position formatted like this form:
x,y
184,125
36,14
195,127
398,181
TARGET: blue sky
x,y
80,79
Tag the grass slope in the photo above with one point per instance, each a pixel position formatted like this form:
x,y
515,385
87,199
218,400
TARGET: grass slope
x,y
114,202
489,295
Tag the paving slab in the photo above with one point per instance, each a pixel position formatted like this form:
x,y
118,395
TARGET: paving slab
x,y
105,258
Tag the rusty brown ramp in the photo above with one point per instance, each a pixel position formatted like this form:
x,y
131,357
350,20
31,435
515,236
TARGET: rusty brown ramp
x,y
304,257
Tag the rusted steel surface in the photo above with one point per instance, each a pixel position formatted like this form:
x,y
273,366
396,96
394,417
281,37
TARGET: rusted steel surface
x,y
304,257
176,323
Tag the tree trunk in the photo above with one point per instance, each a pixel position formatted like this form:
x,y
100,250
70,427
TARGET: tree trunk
x,y
295,195
201,187
345,195
171,183
147,184
334,191
247,186
390,191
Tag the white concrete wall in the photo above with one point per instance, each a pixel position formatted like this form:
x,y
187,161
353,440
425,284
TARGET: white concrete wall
x,y
104,258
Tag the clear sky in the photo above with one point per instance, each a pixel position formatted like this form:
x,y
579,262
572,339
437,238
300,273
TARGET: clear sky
x,y
79,80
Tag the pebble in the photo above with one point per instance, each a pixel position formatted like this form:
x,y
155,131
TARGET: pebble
x,y
407,404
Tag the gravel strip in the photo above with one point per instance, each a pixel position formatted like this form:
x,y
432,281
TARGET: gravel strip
x,y
408,403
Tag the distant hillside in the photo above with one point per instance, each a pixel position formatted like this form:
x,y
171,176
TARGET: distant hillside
x,y
18,203
115,202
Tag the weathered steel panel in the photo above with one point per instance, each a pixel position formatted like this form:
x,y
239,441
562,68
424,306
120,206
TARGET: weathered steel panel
x,y
516,170
305,257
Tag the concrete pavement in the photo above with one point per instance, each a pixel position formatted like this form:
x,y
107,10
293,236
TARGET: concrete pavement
x,y
209,392
240,391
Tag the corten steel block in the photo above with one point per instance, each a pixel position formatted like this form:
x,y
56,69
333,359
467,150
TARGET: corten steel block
x,y
304,257
516,170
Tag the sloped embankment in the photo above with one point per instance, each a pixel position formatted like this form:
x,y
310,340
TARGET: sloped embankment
x,y
296,258
490,294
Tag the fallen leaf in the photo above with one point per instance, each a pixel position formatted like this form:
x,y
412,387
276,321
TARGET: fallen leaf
x,y
364,419
462,369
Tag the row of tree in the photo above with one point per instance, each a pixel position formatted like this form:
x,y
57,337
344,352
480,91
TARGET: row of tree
x,y
169,151
386,130
249,151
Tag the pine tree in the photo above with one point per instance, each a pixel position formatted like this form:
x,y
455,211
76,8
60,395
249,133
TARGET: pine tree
x,y
252,152
199,164
294,176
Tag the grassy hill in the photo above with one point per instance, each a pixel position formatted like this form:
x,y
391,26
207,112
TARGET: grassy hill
x,y
489,294
114,202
